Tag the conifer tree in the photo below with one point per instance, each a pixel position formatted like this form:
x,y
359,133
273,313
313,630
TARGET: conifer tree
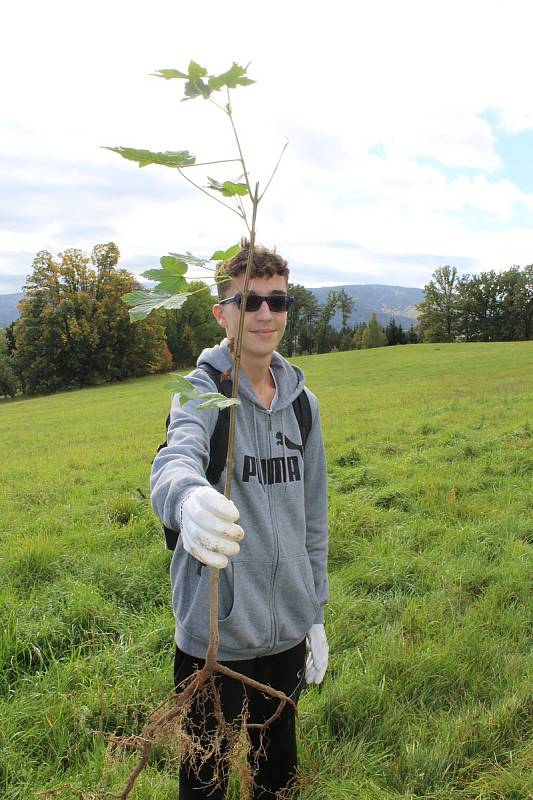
x,y
345,305
325,334
8,378
373,335
394,333
412,336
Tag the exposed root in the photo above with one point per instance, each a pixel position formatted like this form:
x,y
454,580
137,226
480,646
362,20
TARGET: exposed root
x,y
239,758
214,746
262,725
261,687
224,744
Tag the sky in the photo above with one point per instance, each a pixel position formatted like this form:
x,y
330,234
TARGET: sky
x,y
409,129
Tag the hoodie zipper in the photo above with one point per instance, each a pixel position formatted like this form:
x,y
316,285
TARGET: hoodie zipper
x,y
275,532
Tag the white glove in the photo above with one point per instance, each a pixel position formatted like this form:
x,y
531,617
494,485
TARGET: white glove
x,y
207,526
317,659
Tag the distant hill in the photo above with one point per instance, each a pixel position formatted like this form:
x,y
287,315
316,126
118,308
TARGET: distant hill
x,y
8,308
386,301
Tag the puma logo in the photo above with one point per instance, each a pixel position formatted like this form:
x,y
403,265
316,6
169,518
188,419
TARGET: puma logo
x,y
271,470
288,444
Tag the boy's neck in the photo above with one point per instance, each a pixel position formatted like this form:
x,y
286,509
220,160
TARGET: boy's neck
x,y
258,371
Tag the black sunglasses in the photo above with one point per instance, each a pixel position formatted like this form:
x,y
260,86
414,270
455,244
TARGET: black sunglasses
x,y
276,302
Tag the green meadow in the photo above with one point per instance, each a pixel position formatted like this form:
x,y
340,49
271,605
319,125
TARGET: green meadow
x,y
430,688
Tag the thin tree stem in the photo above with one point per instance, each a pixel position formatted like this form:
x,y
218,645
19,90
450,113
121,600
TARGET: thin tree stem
x,y
235,210
243,212
275,169
218,105
230,115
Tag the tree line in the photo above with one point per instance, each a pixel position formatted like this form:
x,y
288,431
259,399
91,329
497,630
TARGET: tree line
x,y
74,329
310,326
486,307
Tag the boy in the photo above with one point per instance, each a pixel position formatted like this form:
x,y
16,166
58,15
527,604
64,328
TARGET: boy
x,y
273,581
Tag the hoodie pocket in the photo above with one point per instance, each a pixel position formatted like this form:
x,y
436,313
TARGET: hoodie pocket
x,y
192,593
248,626
295,600
243,618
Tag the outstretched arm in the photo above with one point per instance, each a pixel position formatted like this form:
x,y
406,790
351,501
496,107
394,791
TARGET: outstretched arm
x,y
180,467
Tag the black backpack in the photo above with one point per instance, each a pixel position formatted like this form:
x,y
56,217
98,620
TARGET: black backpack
x,y
218,445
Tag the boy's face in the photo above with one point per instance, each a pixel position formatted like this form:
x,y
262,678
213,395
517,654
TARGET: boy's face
x,y
263,329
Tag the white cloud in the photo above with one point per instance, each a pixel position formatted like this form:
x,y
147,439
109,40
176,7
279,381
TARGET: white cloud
x,y
413,77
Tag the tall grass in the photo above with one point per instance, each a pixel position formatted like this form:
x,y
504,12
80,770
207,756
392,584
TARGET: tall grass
x,y
430,688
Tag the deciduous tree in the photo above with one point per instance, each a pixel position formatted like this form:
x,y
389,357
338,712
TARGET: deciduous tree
x,y
438,311
357,337
74,329
516,303
192,327
299,334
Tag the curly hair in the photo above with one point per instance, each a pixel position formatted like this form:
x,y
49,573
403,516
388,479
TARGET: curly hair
x,y
265,264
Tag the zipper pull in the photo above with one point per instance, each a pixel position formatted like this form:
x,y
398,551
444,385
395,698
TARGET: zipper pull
x,y
269,420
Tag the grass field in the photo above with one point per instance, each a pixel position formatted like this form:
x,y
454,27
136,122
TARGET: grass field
x,y
430,688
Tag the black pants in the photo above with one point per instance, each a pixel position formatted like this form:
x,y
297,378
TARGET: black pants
x,y
276,763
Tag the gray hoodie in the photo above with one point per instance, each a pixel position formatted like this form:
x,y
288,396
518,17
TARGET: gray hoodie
x,y
275,588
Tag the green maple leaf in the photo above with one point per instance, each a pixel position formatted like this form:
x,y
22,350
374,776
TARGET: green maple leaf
x,y
233,77
216,400
143,302
170,277
228,188
194,261
195,86
186,392
225,255
169,284
170,158
196,71
181,386
168,74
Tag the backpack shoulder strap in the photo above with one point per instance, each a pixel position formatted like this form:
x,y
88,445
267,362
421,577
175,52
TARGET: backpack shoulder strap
x,y
218,445
304,417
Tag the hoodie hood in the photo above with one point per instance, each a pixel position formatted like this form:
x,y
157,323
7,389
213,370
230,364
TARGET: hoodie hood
x,y
289,378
